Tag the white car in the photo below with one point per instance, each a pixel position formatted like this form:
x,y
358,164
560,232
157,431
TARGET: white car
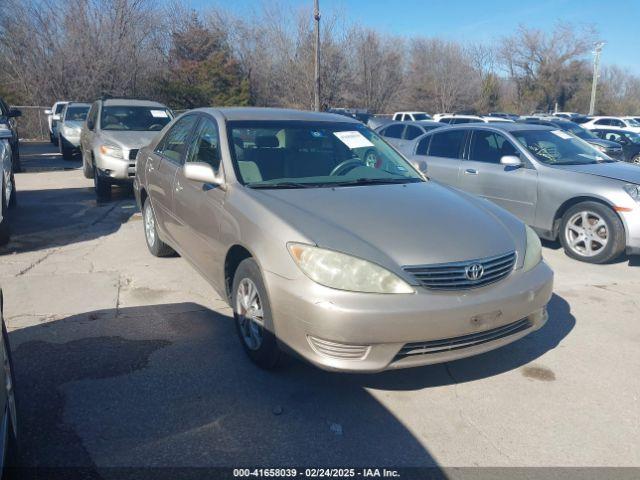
x,y
489,119
53,115
7,192
627,123
410,116
567,115
69,127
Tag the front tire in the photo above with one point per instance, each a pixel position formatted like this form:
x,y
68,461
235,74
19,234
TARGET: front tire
x,y
65,151
636,159
253,317
87,169
156,246
101,185
592,232
5,233
11,451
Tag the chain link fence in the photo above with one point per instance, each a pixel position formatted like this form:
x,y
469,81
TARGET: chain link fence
x,y
32,125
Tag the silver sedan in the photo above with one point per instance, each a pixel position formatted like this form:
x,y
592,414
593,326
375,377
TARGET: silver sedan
x,y
328,243
552,180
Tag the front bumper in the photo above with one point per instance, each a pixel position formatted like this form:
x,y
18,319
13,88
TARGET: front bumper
x,y
357,332
71,141
632,227
119,170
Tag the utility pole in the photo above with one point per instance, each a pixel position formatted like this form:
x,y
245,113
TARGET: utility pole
x,y
596,74
316,17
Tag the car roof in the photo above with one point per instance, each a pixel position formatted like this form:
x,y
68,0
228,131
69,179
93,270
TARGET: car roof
x,y
127,102
507,127
78,104
277,114
411,111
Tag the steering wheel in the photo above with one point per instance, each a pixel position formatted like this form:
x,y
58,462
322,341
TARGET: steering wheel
x,y
156,126
347,165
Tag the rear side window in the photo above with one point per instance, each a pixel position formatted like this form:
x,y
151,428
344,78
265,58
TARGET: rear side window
x,y
412,132
604,121
447,144
393,131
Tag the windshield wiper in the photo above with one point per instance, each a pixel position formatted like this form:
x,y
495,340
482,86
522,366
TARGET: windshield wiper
x,y
376,181
282,185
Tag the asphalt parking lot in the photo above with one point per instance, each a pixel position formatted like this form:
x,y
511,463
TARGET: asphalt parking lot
x,y
124,359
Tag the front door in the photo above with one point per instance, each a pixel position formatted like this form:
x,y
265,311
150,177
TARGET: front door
x,y
162,166
515,189
199,207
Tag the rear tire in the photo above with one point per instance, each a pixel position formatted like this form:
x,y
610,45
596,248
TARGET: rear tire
x,y
592,232
156,246
101,185
253,317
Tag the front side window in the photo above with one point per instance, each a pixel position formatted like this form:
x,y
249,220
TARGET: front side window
x,y
632,137
490,147
59,108
555,147
76,113
139,119
423,146
632,122
270,154
175,143
447,144
205,147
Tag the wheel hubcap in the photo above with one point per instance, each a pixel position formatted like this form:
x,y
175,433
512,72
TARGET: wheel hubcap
x,y
149,226
587,233
249,313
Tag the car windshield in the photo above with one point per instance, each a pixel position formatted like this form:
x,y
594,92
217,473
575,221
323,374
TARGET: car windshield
x,y
580,132
633,122
314,154
632,136
421,116
556,147
140,119
76,114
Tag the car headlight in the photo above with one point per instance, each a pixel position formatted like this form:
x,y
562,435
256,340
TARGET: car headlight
x,y
111,151
633,190
344,272
533,255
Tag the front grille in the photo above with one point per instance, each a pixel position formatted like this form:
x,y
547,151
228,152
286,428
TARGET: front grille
x,y
465,341
453,276
133,153
341,351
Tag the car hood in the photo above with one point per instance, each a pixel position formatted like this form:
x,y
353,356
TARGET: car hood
x,y
617,170
602,142
411,224
129,139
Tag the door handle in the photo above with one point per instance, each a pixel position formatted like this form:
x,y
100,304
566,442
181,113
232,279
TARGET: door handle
x,y
471,171
179,187
150,167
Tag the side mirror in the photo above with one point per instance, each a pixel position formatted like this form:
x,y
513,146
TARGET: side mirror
x,y
421,165
48,112
201,172
5,134
511,161
14,112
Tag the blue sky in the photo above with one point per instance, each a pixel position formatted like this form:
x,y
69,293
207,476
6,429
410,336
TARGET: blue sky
x,y
618,21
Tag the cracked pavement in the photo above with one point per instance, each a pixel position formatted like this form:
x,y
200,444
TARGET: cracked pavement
x,y
123,359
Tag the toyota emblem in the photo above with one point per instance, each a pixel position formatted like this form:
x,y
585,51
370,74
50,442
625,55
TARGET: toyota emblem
x,y
474,271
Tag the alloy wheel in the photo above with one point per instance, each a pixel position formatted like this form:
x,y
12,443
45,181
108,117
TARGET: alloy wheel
x,y
149,226
250,314
587,233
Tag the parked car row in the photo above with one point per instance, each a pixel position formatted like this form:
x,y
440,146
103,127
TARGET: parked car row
x,y
9,164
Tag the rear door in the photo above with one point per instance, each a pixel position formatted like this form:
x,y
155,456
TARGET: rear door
x,y
199,207
161,168
443,154
515,189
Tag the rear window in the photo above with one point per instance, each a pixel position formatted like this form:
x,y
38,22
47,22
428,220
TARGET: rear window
x,y
447,144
